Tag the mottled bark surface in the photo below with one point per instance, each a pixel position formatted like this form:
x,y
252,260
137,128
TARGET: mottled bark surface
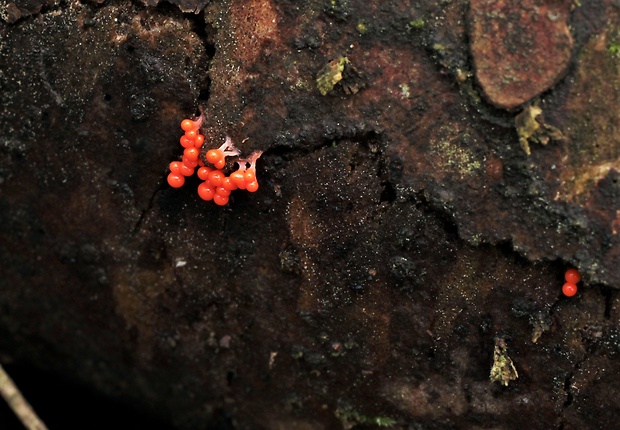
x,y
401,249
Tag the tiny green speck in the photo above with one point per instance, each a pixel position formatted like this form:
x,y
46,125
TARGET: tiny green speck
x,y
404,91
416,23
362,26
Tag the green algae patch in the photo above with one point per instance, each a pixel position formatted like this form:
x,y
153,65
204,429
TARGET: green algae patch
x,y
330,75
340,71
452,149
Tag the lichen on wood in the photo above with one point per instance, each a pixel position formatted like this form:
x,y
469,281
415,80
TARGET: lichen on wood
x,y
503,369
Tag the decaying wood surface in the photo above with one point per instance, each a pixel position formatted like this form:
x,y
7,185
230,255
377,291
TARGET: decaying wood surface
x,y
430,170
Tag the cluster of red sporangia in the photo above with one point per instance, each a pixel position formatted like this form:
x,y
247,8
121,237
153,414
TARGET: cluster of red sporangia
x,y
216,186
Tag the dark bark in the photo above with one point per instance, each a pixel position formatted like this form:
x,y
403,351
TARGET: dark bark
x,y
402,243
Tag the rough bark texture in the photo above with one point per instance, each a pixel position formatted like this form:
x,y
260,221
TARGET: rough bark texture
x,y
401,246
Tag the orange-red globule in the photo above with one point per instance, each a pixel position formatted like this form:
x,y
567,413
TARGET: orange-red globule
x,y
572,276
176,180
569,289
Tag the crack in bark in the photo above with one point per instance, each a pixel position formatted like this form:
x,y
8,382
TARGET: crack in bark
x,y
160,186
199,26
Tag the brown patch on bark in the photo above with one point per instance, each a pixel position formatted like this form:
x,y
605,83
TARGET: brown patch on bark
x,y
520,48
